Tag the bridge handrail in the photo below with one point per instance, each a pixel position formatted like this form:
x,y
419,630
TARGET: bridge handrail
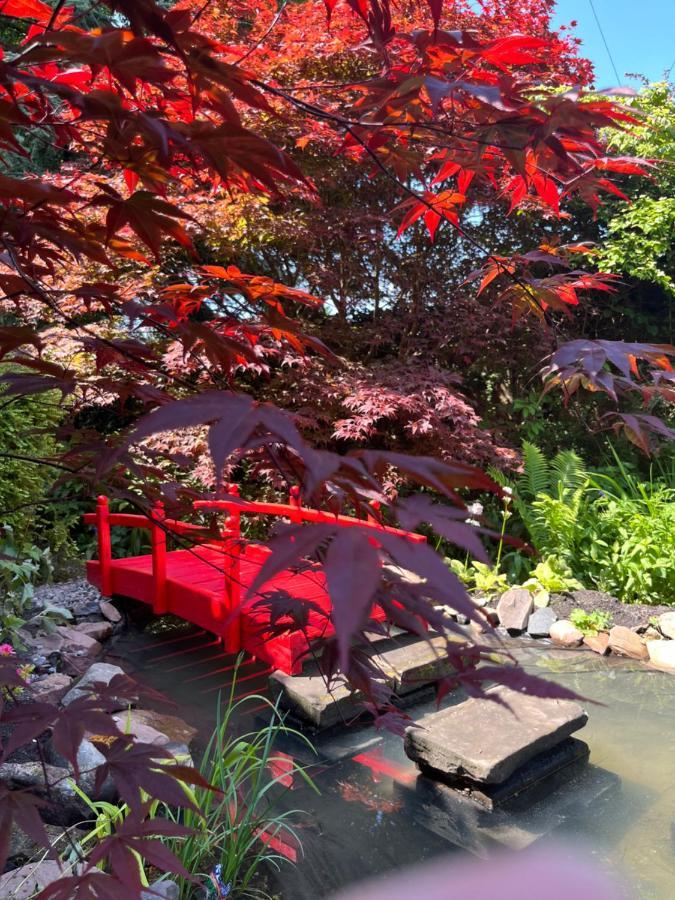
x,y
302,514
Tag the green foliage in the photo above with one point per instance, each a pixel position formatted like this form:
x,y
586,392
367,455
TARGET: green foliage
x,y
590,623
229,826
479,577
552,575
548,498
22,566
232,825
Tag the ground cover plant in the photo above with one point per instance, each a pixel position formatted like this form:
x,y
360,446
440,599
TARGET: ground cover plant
x,y
132,129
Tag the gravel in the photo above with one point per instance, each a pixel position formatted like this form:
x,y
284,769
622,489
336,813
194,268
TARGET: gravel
x,y
76,595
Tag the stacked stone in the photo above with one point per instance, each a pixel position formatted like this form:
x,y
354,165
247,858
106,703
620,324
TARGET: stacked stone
x,y
493,748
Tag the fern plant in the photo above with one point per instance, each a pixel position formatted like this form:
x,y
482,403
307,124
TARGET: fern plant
x,y
549,498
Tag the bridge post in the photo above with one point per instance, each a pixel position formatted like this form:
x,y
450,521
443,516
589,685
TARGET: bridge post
x,y
158,545
232,569
295,501
104,544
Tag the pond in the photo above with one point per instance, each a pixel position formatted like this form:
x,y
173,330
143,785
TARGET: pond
x,y
374,814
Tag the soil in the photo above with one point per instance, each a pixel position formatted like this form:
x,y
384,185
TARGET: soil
x,y
632,615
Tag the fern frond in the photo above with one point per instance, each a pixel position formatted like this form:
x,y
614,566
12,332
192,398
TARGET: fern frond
x,y
536,476
568,473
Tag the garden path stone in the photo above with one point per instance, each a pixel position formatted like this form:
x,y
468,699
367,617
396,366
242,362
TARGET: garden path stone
x,y
29,880
514,608
599,643
662,654
308,698
103,672
486,741
412,666
540,622
626,643
564,634
51,688
667,624
77,642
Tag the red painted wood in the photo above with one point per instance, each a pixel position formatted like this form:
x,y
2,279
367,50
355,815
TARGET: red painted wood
x,y
208,584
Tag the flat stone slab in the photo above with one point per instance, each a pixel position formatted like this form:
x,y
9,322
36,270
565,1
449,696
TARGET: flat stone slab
x,y
405,669
307,697
486,741
526,779
413,666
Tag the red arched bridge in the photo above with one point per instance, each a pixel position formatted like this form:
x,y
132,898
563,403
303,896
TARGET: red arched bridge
x,y
208,583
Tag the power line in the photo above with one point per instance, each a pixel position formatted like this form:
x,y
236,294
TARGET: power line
x,y
604,41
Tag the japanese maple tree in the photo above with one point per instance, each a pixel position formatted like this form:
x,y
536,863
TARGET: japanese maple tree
x,y
159,113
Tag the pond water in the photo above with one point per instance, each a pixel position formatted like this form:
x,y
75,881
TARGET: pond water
x,y
375,814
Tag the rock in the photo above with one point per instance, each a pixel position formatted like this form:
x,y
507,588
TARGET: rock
x,y
308,698
146,734
514,609
110,611
77,642
412,666
599,642
651,634
487,741
23,849
564,634
667,625
626,643
66,809
162,890
97,630
540,622
44,644
662,654
51,688
29,880
490,617
173,728
103,672
89,757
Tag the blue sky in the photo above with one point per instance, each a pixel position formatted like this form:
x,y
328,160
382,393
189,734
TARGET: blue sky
x,y
640,35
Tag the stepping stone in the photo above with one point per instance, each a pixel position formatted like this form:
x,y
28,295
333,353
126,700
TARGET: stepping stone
x,y
486,741
405,669
307,697
413,666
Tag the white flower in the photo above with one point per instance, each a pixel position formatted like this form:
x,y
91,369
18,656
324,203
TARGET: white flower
x,y
507,491
475,509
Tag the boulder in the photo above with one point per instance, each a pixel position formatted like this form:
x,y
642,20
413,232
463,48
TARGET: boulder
x,y
667,625
564,634
110,611
540,622
486,741
162,890
172,727
146,734
23,849
29,880
51,688
514,608
89,757
97,630
599,642
42,643
66,807
77,642
662,654
103,672
625,642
